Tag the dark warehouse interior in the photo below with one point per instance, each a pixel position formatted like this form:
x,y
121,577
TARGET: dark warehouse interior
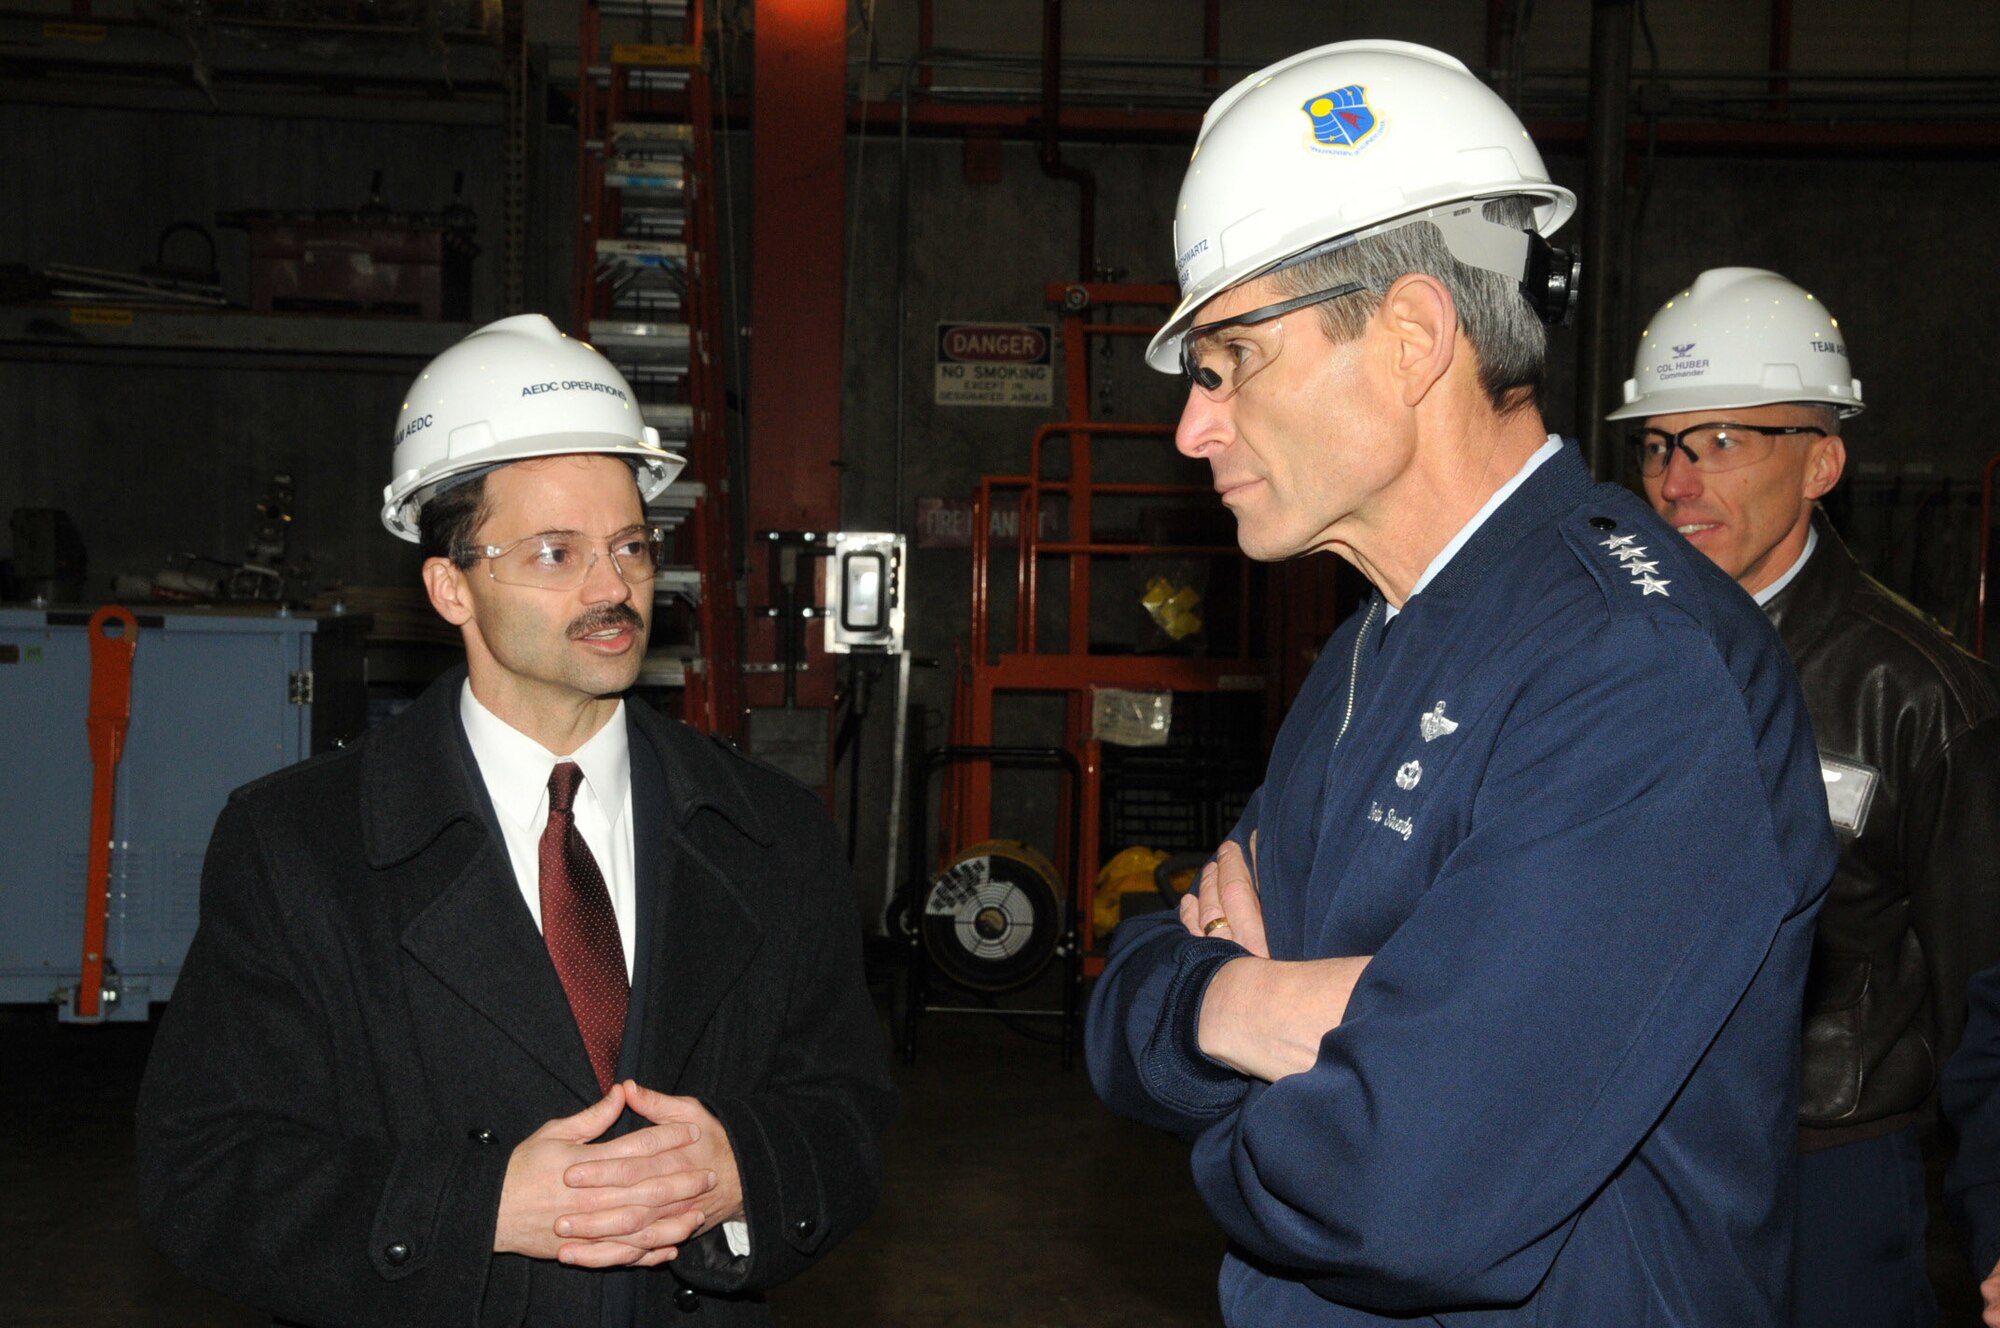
x,y
884,272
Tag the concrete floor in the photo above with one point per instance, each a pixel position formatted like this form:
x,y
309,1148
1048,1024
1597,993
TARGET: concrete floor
x,y
1014,1200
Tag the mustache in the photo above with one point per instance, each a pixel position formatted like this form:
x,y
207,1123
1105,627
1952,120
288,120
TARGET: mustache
x,y
606,616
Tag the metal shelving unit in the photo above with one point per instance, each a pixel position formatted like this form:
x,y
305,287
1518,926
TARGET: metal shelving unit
x,y
240,64
71,332
647,266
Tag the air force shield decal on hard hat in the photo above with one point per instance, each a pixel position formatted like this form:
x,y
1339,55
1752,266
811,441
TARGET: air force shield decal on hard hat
x,y
1341,119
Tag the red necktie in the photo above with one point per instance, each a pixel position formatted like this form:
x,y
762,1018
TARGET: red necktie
x,y
581,930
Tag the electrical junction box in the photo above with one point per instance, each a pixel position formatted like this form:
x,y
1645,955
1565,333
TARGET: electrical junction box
x,y
864,591
219,697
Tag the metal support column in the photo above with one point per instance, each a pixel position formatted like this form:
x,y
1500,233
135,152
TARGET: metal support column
x,y
798,145
1602,353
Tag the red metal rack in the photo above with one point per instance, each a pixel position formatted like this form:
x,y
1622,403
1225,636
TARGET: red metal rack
x,y
1072,669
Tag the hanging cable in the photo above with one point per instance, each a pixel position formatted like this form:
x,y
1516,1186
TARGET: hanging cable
x,y
860,151
726,26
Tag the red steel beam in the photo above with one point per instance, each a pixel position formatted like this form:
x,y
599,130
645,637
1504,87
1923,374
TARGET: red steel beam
x,y
798,187
1755,135
1075,121
1108,123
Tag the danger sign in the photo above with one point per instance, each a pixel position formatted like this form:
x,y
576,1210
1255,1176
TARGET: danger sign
x,y
995,364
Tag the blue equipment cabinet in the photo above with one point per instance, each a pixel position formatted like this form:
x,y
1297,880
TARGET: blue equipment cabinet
x,y
219,697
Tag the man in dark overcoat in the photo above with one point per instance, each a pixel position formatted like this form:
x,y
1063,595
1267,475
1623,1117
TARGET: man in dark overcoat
x,y
531,1007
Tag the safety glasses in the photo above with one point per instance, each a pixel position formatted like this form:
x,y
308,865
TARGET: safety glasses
x,y
1713,446
1220,357
562,559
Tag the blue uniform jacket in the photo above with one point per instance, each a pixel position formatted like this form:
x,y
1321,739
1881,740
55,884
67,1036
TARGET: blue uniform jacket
x,y
1571,805
1971,1098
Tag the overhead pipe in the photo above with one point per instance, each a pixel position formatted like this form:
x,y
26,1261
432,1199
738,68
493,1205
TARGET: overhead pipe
x,y
1051,150
1053,164
1781,56
1211,45
1503,49
1604,199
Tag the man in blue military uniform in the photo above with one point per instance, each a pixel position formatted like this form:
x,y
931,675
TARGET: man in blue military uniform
x,y
1972,1107
1488,1011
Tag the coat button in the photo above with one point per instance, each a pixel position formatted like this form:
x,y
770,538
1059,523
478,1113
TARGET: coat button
x,y
1603,523
804,1227
397,1254
481,1136
685,1300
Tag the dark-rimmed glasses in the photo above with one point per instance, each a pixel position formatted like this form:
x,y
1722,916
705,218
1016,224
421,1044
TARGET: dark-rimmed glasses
x,y
1712,446
1220,365
562,559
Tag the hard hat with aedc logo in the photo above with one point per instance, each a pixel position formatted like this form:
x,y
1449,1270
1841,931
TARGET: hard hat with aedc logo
x,y
1349,140
1740,337
514,390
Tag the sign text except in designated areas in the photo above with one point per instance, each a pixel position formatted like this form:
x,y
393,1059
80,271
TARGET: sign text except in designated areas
x,y
995,364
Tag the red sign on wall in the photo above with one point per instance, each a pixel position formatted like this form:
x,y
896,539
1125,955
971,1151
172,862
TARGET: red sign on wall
x,y
995,364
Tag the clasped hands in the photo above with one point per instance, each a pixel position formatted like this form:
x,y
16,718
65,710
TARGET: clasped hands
x,y
1261,1016
573,1196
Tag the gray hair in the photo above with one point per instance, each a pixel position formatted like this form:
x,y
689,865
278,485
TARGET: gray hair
x,y
1506,333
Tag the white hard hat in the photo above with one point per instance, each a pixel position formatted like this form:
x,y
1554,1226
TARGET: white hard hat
x,y
1340,142
1739,336
514,389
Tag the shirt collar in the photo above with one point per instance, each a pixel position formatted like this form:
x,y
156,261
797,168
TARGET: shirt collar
x,y
1770,592
1470,528
516,767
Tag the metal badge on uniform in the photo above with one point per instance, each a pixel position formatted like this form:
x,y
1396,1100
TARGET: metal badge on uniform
x,y
1432,723
1850,788
1408,774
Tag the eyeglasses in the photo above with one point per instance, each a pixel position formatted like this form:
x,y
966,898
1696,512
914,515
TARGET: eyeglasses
x,y
1220,365
562,559
1712,447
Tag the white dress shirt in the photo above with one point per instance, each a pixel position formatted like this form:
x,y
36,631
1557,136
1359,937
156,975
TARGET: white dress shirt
x,y
516,770
1470,528
1770,592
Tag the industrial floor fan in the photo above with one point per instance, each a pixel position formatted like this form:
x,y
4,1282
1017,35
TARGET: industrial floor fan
x,y
992,919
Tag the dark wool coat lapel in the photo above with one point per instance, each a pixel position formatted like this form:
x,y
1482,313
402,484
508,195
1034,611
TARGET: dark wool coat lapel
x,y
475,934
696,932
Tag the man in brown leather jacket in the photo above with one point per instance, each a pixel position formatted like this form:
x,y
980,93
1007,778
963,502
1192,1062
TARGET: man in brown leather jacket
x,y
1739,388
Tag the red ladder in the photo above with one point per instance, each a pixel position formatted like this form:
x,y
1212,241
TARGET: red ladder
x,y
648,267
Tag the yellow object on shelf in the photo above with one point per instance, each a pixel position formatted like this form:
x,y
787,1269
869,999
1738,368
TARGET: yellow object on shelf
x,y
1129,871
1177,609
